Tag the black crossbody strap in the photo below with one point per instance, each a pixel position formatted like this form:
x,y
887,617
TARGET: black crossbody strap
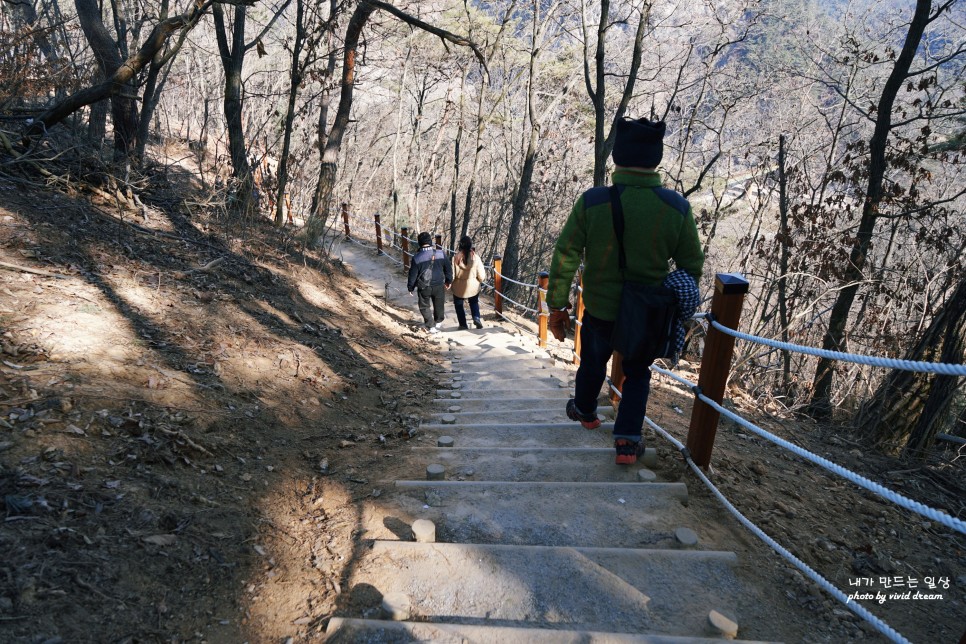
x,y
617,212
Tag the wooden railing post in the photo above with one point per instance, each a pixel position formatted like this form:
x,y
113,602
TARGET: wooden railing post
x,y
345,219
498,283
378,235
579,318
439,242
405,247
729,296
543,311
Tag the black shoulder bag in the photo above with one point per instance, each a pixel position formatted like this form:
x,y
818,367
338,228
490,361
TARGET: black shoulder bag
x,y
644,327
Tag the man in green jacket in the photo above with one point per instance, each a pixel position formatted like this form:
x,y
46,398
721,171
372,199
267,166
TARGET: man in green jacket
x,y
659,226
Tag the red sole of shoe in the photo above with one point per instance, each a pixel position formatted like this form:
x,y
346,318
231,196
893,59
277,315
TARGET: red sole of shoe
x,y
591,425
626,460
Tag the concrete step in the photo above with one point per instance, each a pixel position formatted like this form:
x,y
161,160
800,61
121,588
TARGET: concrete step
x,y
597,589
503,390
525,435
509,464
342,630
488,351
472,403
555,414
497,375
511,384
611,514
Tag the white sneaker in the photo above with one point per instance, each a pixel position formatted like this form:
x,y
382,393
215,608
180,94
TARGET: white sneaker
x,y
433,330
439,325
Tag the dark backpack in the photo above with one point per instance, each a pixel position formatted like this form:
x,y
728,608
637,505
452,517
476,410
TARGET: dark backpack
x,y
425,277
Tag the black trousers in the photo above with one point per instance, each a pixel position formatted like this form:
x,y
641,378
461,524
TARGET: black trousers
x,y
431,301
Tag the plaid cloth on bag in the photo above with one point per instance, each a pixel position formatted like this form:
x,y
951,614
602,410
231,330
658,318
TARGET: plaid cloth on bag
x,y
686,289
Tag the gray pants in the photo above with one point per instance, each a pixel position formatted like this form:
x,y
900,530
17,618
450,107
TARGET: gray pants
x,y
435,297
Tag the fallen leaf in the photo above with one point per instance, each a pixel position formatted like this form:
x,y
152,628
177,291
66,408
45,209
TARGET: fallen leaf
x,y
160,539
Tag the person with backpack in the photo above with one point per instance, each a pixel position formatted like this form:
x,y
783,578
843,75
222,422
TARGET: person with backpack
x,y
430,275
468,276
625,235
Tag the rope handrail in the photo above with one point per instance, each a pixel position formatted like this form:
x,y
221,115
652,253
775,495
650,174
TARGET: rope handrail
x,y
855,607
825,584
509,279
898,499
872,361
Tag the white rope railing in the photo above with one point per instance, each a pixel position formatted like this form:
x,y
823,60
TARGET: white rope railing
x,y
513,281
902,501
825,584
872,361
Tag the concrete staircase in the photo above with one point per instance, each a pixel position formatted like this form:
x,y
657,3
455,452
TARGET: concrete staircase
x,y
539,537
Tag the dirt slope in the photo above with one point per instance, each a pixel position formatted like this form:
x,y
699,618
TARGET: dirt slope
x,y
192,421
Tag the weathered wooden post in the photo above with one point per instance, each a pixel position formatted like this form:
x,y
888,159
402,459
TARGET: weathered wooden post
x,y
378,235
288,209
579,317
498,283
405,247
729,296
345,219
543,311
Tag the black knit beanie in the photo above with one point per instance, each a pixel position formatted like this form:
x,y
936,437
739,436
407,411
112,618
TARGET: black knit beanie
x,y
639,143
424,239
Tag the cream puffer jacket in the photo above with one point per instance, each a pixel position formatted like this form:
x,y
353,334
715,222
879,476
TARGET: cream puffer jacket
x,y
467,278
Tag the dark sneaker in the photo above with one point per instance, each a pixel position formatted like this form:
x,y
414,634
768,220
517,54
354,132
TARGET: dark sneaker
x,y
628,451
477,323
589,421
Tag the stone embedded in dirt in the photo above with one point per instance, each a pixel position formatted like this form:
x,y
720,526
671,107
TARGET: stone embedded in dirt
x,y
396,606
345,443
727,627
646,476
758,468
686,536
424,531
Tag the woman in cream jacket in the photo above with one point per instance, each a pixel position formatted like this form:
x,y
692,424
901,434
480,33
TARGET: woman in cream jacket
x,y
468,275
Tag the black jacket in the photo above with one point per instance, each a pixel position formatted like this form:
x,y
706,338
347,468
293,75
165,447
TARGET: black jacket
x,y
427,258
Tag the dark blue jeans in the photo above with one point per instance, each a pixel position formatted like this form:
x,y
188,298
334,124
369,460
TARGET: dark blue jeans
x,y
461,312
595,351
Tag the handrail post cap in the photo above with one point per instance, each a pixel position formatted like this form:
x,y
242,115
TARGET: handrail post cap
x,y
731,283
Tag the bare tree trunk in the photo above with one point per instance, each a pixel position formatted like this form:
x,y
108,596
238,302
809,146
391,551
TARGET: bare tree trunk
x,y
328,169
604,143
121,77
107,52
910,408
820,405
232,59
294,84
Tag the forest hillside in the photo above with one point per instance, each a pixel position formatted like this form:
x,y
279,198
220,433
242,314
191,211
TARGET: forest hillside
x,y
186,363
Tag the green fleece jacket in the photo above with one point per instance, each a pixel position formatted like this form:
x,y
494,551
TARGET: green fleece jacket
x,y
659,226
